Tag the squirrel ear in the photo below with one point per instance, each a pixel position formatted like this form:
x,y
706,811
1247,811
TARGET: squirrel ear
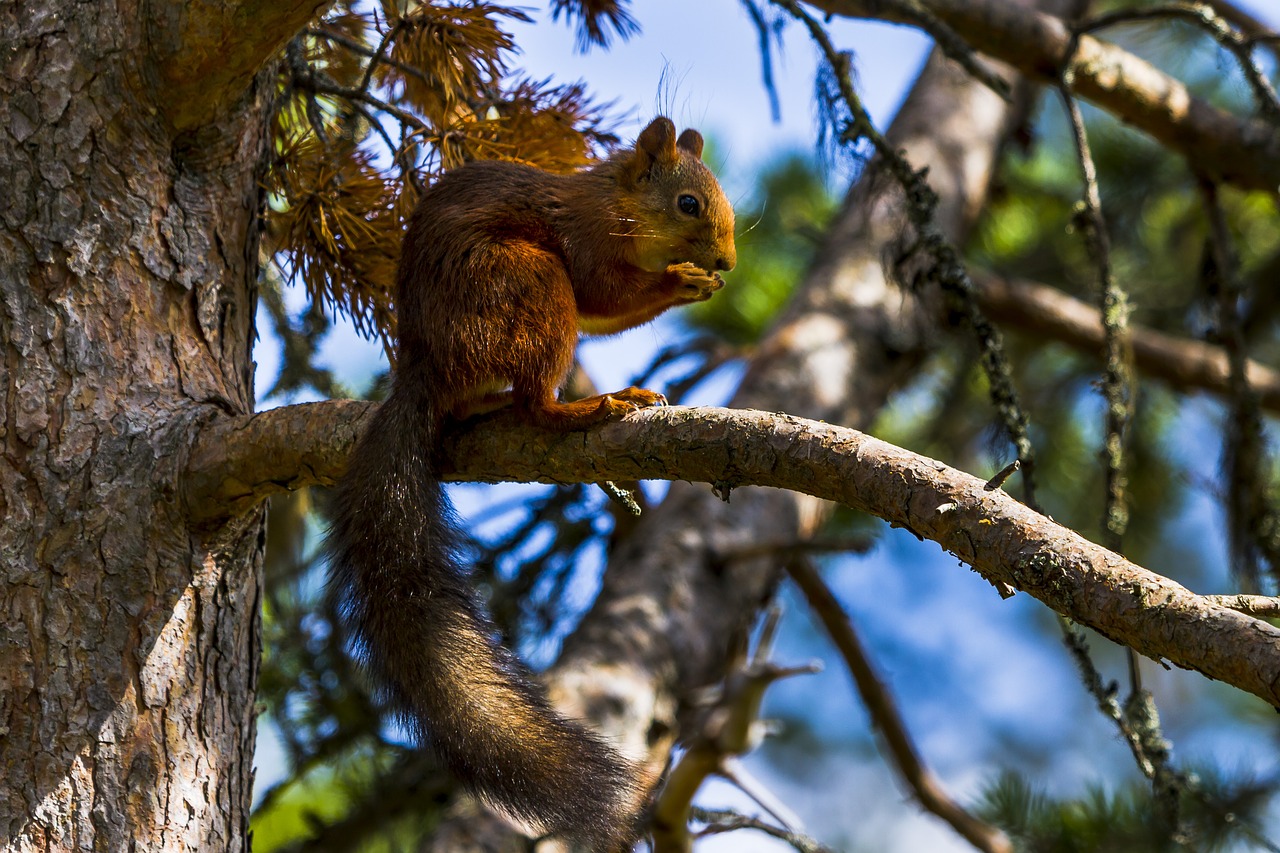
x,y
690,140
656,144
658,140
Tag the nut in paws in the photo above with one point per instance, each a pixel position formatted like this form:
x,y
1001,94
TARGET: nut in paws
x,y
696,284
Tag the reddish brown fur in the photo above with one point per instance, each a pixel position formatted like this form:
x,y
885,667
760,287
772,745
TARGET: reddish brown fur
x,y
503,262
501,266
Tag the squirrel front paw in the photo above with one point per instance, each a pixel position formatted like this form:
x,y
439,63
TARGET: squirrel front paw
x,y
696,284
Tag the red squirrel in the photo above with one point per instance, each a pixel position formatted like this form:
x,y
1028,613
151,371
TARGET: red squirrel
x,y
502,265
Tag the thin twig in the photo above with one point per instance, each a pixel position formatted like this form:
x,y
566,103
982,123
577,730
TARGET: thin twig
x,y
379,53
1139,721
1139,724
324,86
1117,377
366,51
731,769
1259,606
1103,693
1003,475
718,821
948,269
1253,29
902,753
395,151
1254,524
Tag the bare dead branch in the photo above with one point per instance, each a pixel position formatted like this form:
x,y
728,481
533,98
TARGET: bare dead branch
x,y
1184,363
1244,152
719,821
1228,37
880,705
729,726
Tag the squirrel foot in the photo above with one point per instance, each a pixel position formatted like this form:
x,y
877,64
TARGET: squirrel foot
x,y
696,284
622,403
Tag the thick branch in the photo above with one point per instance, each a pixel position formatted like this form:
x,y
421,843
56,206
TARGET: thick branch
x,y
1244,152
237,463
1182,362
1001,538
206,52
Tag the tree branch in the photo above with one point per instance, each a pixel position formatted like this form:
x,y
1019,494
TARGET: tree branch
x,y
206,53
884,714
248,458
1259,606
1219,29
1182,362
237,463
1244,152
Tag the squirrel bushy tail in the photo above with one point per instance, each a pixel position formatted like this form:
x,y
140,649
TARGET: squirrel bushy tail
x,y
407,606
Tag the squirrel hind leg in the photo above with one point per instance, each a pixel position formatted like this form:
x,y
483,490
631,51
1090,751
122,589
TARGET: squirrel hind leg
x,y
482,405
546,411
539,370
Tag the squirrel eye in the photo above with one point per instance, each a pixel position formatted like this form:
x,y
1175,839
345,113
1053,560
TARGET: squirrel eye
x,y
688,205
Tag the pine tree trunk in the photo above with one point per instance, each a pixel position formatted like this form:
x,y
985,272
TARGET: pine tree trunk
x,y
129,641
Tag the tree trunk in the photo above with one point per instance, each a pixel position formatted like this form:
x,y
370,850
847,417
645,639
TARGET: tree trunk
x,y
129,641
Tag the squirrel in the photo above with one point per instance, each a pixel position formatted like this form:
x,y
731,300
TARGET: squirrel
x,y
501,266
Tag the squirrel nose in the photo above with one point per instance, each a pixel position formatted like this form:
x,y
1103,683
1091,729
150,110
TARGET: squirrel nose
x,y
725,264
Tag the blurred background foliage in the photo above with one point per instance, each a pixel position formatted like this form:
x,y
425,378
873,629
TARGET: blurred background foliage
x,y
356,140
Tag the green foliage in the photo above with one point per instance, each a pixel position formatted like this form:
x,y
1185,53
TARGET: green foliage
x,y
1215,812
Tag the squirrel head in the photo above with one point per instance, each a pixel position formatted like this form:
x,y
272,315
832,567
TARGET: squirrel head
x,y
680,213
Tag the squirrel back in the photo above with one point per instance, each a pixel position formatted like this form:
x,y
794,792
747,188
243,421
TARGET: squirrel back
x,y
502,264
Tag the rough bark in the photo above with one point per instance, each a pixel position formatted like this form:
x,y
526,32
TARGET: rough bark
x,y
128,255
